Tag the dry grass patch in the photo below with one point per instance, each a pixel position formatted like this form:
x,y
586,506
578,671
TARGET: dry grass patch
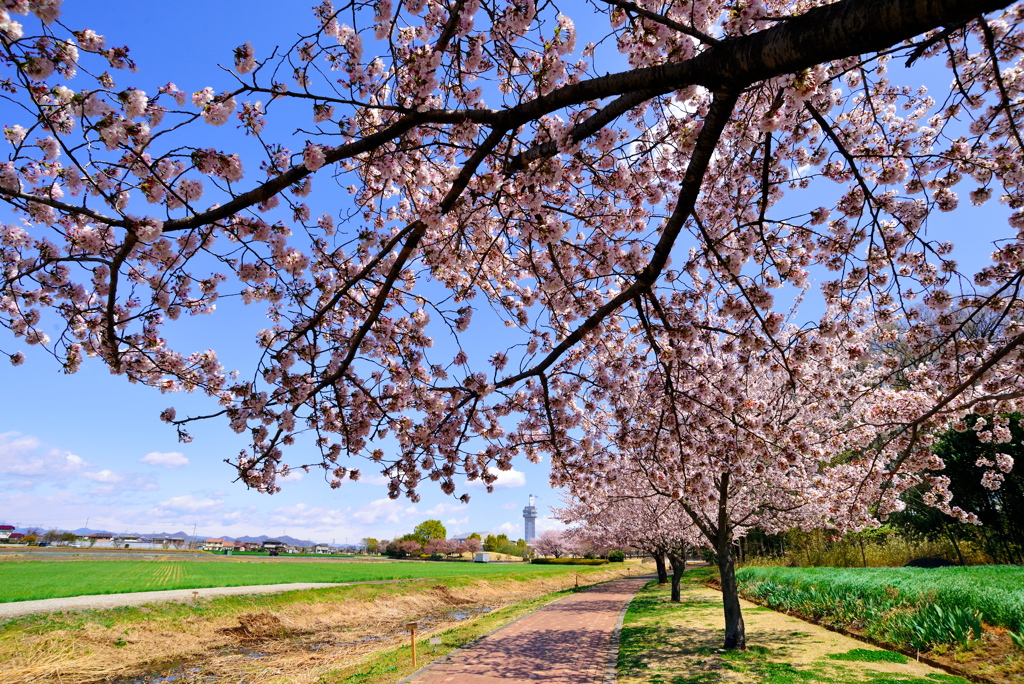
x,y
293,637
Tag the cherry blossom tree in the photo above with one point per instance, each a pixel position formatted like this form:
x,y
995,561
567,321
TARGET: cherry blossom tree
x,y
494,164
628,512
551,543
736,442
438,547
410,547
472,544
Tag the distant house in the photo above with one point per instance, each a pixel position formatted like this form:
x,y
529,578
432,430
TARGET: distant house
x,y
322,548
127,540
176,542
16,537
273,545
213,545
101,536
229,546
466,535
6,531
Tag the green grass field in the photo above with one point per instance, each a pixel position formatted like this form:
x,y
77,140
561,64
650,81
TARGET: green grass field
x,y
28,580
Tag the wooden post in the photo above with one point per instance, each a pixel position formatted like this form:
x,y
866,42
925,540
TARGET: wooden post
x,y
411,626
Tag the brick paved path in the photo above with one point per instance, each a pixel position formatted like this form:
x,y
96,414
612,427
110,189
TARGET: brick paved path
x,y
568,641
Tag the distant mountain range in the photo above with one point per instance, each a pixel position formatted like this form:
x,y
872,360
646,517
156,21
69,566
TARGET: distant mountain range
x,y
291,541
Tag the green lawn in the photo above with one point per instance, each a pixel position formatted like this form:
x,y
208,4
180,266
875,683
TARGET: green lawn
x,y
28,580
681,643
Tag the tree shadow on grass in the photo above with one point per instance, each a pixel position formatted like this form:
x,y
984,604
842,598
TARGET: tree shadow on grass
x,y
680,643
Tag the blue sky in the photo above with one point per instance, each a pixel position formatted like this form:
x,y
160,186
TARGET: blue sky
x,y
90,447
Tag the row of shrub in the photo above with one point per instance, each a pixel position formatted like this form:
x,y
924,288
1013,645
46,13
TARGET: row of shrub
x,y
920,608
569,561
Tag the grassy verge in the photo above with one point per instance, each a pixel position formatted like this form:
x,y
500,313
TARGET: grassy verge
x,y
680,643
28,580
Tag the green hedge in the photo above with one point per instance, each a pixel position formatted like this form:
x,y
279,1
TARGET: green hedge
x,y
569,561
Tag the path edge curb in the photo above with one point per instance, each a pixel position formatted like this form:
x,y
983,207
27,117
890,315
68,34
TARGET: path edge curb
x,y
611,674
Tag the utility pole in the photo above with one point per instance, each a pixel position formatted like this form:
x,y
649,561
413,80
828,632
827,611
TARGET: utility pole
x,y
192,540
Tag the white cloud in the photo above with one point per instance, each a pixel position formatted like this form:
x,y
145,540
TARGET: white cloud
x,y
383,511
21,455
457,521
105,475
16,443
506,479
444,509
513,530
294,475
306,516
545,523
170,459
375,479
188,504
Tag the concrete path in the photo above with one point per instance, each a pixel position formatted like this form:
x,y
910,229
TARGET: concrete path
x,y
138,598
571,641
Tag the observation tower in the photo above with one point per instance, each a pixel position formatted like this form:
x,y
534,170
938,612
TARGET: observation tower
x,y
530,516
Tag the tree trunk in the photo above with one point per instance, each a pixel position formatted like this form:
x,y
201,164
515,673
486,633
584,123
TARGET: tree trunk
x,y
678,561
735,631
659,562
952,539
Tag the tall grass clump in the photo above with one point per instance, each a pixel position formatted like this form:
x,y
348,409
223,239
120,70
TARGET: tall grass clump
x,y
922,608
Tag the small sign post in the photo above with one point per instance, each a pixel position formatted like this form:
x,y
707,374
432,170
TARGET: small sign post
x,y
435,642
411,626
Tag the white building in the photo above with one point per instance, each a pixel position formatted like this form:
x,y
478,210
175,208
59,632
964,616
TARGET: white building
x,y
530,518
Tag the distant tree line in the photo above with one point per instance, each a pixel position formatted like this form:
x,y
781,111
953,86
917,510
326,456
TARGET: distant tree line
x,y
429,538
